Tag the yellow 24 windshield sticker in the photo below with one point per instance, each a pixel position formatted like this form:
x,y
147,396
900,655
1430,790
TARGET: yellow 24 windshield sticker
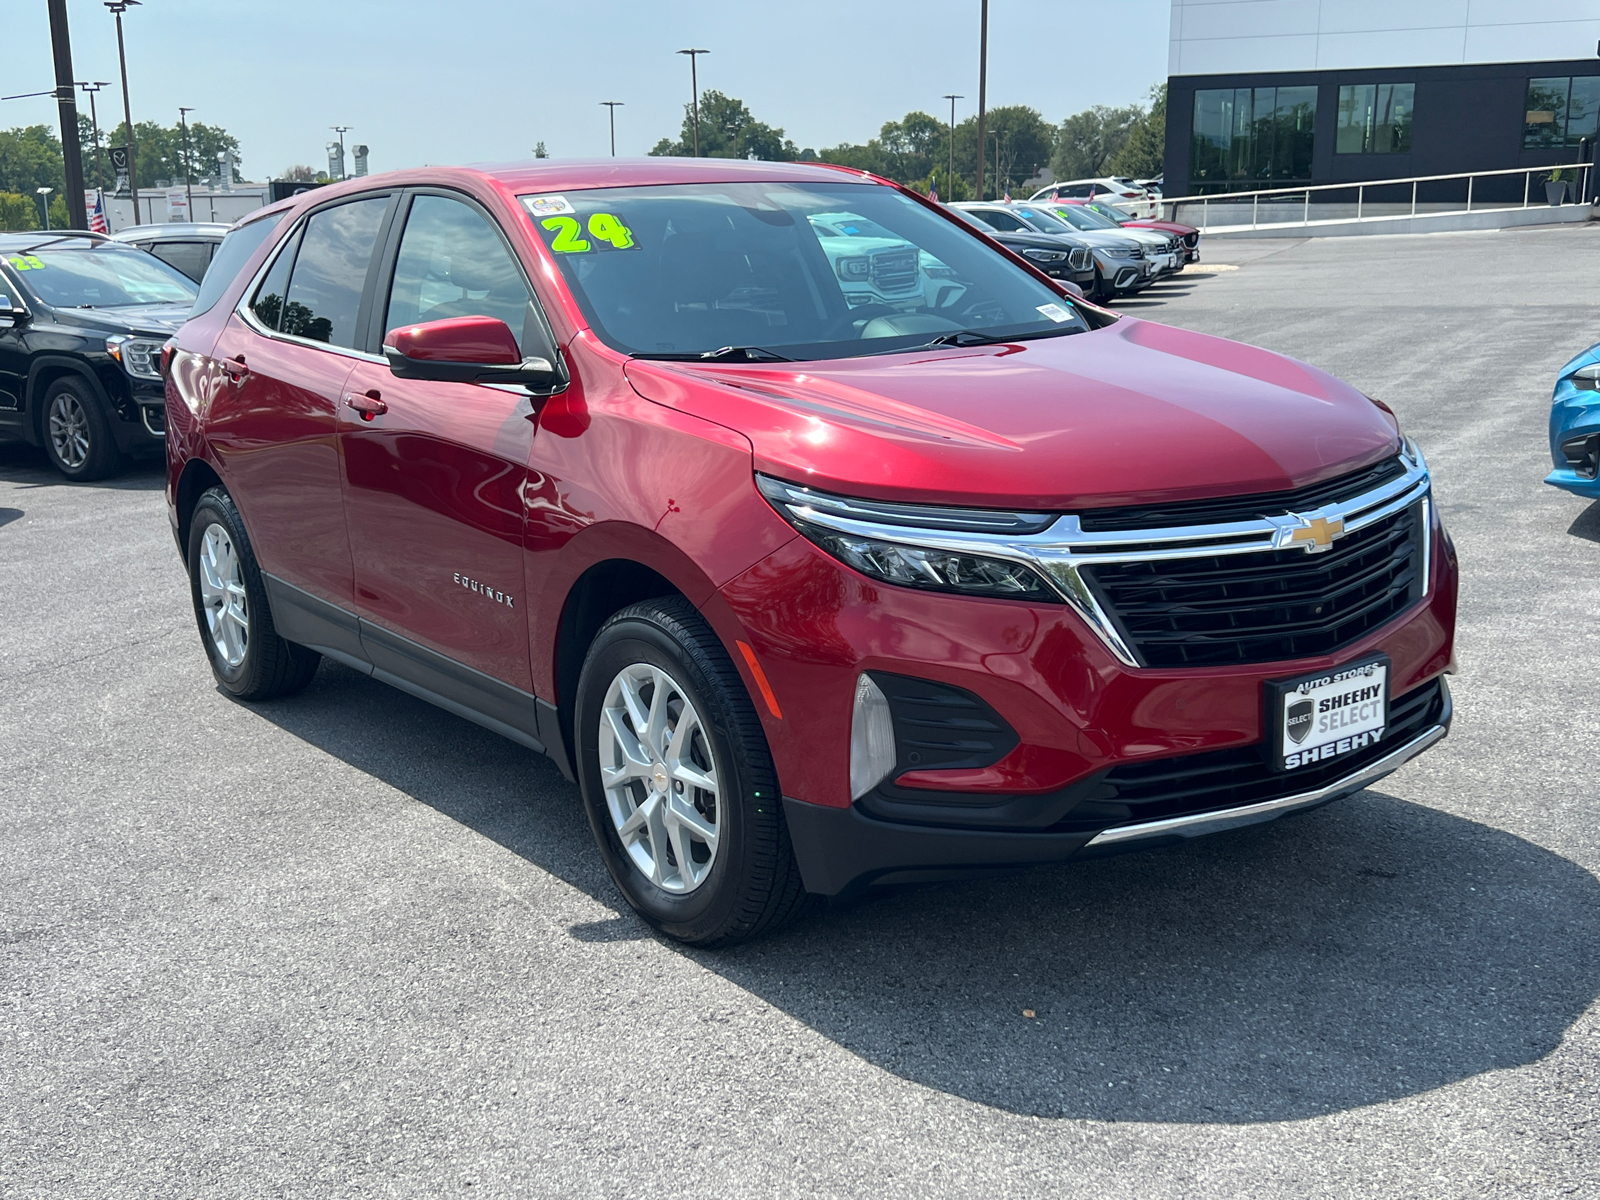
x,y
606,230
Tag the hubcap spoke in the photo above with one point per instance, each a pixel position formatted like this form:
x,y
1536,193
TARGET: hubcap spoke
x,y
223,596
664,804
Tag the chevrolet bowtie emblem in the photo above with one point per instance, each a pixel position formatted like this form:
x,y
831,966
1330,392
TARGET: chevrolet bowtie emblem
x,y
1317,535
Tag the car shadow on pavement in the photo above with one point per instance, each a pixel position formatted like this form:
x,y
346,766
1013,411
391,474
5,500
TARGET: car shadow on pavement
x,y
27,465
1368,951
1587,524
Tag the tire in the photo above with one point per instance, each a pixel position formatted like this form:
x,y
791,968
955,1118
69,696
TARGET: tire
x,y
692,890
76,430
1103,292
249,659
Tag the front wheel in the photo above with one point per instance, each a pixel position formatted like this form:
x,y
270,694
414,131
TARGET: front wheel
x,y
77,432
678,782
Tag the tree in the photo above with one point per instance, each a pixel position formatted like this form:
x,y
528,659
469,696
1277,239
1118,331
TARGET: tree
x,y
299,173
1142,156
18,212
1088,141
539,151
1020,142
728,130
30,157
161,150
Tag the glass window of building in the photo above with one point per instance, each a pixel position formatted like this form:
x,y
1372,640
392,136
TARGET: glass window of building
x,y
1374,118
1561,112
1246,138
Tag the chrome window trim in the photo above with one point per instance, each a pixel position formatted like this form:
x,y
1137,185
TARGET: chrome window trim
x,y
1060,551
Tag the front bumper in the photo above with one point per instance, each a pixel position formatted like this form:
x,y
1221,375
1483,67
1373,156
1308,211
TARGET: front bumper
x,y
1573,414
841,850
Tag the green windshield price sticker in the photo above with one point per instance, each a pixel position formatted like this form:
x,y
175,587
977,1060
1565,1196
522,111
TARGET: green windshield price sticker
x,y
26,262
605,230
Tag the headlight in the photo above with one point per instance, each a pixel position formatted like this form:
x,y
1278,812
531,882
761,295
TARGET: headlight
x,y
854,268
1587,379
140,357
1049,256
1120,251
845,528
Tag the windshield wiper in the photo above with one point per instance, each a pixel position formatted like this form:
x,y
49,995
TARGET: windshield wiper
x,y
726,354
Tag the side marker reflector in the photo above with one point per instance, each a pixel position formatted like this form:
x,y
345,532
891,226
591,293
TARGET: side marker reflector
x,y
761,680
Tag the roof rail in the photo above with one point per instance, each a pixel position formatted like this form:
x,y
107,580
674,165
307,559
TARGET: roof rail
x,y
61,235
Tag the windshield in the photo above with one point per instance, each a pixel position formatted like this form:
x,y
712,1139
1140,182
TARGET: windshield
x,y
101,277
1106,211
795,271
1045,221
1080,217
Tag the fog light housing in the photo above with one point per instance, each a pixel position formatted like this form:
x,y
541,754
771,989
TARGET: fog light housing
x,y
1583,455
872,752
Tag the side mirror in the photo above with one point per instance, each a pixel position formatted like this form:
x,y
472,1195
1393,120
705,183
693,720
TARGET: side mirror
x,y
9,313
1069,288
465,350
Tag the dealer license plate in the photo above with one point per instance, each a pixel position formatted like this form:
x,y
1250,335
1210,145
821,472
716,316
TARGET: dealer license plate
x,y
1315,718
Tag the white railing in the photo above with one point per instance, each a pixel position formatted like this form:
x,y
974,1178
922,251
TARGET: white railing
x,y
1280,201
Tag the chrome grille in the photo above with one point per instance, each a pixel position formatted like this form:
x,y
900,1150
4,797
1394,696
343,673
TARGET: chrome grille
x,y
895,271
1080,259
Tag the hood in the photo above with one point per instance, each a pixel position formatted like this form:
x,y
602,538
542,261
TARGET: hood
x,y
1173,227
1044,241
160,320
1105,237
1133,413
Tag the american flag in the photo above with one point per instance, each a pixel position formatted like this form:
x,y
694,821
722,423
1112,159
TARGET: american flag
x,y
97,215
933,192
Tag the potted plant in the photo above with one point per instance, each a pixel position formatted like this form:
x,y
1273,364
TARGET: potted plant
x,y
1555,187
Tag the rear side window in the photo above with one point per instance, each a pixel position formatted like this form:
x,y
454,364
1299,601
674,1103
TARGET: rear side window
x,y
268,304
330,271
189,257
453,263
1002,221
229,259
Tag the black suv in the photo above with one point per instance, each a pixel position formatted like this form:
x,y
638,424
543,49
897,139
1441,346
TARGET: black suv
x,y
82,322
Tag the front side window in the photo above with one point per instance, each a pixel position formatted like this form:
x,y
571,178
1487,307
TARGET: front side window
x,y
1374,118
100,276
1561,112
453,263
323,299
798,271
268,304
1248,138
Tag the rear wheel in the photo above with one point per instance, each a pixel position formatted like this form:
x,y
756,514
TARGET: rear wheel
x,y
678,781
77,431
249,659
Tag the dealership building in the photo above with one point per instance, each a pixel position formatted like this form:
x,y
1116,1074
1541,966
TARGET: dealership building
x,y
1275,93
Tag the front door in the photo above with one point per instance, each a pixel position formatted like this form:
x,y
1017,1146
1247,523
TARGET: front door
x,y
434,474
274,422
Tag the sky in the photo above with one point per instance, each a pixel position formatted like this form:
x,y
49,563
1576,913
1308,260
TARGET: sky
x,y
457,81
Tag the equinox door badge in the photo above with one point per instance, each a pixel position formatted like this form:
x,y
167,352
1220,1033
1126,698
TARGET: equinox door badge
x,y
483,589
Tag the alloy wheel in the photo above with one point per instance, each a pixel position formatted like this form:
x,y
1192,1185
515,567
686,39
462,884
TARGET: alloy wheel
x,y
660,778
69,430
222,596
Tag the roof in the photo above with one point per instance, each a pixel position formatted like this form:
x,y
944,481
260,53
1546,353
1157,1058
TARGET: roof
x,y
58,239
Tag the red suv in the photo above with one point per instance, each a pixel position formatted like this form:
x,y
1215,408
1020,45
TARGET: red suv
x,y
818,559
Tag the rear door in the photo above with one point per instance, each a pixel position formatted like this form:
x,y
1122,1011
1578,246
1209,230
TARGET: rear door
x,y
434,482
287,354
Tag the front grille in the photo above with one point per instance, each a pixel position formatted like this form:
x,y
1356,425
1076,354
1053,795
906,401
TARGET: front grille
x,y
895,271
1192,240
1268,606
1219,779
1080,259
1226,509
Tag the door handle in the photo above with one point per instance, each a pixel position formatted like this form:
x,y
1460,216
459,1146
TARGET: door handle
x,y
368,404
235,369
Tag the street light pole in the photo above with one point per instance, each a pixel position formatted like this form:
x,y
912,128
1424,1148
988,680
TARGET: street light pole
x,y
45,193
612,106
119,7
694,84
188,185
67,105
341,130
94,123
950,173
983,94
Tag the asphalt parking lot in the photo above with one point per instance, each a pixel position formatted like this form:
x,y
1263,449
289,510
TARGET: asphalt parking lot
x,y
348,945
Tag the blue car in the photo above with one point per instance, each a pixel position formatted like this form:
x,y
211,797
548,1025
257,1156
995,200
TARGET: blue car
x,y
1575,426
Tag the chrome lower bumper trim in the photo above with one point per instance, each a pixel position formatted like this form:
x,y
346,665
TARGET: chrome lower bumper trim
x,y
1197,824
